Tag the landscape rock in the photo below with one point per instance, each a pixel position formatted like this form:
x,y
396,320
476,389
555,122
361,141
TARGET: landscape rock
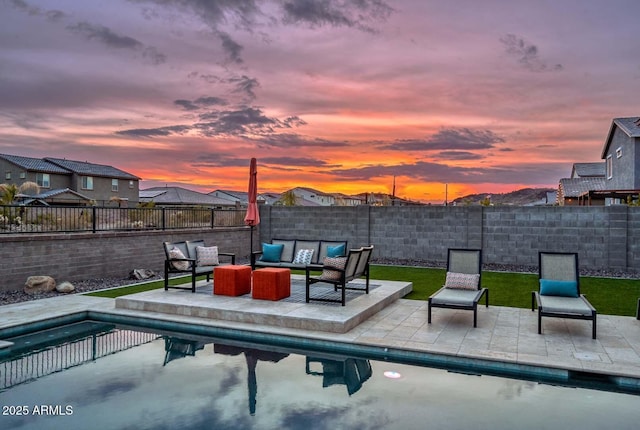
x,y
39,284
141,274
65,287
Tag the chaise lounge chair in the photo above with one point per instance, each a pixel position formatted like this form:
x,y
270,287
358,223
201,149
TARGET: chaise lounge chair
x,y
559,291
462,288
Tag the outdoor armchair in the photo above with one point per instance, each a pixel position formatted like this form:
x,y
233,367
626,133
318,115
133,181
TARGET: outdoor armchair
x,y
339,272
559,290
462,288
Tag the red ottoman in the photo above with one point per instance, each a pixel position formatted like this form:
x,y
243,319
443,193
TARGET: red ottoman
x,y
271,283
232,280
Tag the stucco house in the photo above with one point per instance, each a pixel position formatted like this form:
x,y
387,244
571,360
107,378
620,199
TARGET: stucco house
x,y
105,185
611,181
621,153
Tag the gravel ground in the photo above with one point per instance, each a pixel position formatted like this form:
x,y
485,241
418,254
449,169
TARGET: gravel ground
x,y
9,297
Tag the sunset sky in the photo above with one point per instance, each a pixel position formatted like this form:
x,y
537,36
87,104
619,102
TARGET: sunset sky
x,y
485,96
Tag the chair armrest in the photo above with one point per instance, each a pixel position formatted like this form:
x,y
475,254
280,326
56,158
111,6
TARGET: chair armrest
x,y
229,254
313,268
168,261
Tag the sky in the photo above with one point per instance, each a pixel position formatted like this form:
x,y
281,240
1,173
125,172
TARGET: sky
x,y
456,96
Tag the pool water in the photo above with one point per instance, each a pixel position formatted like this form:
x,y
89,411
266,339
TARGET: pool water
x,y
116,378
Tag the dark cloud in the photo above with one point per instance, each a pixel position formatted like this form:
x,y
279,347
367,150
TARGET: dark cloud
x,y
215,159
459,155
113,40
237,122
186,104
155,132
214,14
526,53
245,85
292,140
242,122
293,161
231,47
199,103
25,7
435,172
210,101
359,14
448,139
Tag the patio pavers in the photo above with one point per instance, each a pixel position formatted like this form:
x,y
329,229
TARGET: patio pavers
x,y
503,335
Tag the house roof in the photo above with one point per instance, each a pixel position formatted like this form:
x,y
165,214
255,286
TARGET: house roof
x,y
583,170
181,196
66,167
575,187
34,164
242,196
58,192
91,169
630,125
313,191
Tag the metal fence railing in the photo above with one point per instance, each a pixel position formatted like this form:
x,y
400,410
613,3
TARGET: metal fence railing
x,y
69,354
48,219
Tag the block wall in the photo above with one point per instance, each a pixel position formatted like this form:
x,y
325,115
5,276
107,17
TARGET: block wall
x,y
78,256
605,237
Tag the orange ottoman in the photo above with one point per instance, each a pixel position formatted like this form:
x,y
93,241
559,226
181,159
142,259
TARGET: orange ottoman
x,y
232,280
271,283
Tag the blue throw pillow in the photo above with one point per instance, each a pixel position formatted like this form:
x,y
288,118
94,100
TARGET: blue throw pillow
x,y
335,251
271,253
551,287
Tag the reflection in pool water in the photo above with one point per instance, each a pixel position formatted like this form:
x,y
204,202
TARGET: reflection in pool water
x,y
178,381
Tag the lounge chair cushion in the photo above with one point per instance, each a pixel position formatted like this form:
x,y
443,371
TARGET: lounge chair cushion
x,y
271,253
178,265
338,263
336,251
303,256
207,256
455,296
565,305
462,281
554,287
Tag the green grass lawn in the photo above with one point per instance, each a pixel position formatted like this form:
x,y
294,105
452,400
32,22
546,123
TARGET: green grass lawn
x,y
609,296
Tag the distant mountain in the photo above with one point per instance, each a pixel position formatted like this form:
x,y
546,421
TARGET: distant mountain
x,y
522,197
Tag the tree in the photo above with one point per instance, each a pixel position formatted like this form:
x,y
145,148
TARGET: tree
x,y
288,198
8,193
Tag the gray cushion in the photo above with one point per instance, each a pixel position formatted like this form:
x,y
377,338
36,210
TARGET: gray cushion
x,y
287,250
455,297
565,305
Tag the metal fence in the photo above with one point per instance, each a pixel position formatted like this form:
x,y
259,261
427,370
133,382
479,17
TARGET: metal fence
x,y
48,219
69,354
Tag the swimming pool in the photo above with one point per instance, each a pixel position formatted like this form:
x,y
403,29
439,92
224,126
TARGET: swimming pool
x,y
108,376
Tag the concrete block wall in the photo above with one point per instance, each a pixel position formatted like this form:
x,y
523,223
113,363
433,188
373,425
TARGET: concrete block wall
x,y
605,237
78,256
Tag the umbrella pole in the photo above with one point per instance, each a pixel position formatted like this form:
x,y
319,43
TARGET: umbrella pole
x,y
251,243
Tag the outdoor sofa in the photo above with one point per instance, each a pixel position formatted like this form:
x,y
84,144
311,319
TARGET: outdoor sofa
x,y
294,254
191,256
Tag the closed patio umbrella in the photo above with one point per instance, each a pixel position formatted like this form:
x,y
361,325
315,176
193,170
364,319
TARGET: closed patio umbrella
x,y
252,218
